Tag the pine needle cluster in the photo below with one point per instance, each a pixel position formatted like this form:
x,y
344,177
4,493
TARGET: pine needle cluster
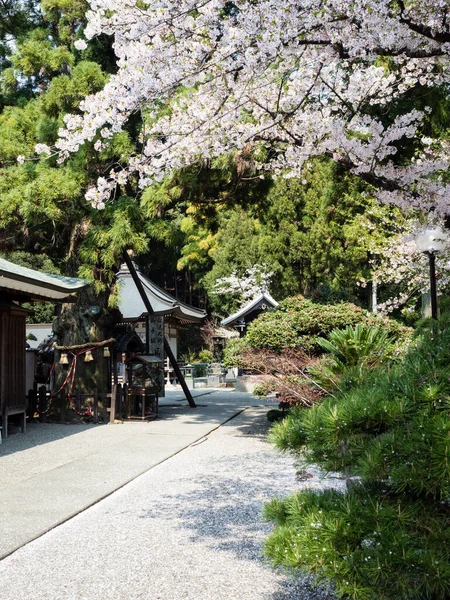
x,y
388,536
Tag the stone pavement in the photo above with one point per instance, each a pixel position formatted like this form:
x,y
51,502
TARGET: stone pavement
x,y
54,472
190,528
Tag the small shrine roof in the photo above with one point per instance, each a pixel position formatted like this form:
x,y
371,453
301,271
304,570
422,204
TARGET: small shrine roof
x,y
223,332
132,306
144,359
23,284
256,303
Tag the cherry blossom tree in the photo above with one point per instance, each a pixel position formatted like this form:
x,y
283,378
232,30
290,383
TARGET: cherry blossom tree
x,y
254,281
283,78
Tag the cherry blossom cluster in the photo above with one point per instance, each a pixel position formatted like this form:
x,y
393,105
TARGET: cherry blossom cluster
x,y
254,281
300,78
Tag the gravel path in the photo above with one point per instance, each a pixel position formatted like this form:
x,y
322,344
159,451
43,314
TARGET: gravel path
x,y
188,529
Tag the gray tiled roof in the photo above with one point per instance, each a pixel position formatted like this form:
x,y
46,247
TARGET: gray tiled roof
x,y
132,306
37,285
264,298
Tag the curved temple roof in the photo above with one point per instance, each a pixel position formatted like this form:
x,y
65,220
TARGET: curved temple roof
x,y
24,283
132,306
261,299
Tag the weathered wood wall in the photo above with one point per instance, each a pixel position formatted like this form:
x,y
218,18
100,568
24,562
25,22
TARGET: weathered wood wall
x,y
12,363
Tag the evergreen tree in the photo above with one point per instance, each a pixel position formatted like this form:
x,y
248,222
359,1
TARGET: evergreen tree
x,y
386,536
42,206
315,233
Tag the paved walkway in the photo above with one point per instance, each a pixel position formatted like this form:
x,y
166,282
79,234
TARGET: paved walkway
x,y
55,471
190,528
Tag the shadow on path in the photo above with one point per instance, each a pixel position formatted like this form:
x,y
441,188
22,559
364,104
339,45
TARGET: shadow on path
x,y
38,434
225,511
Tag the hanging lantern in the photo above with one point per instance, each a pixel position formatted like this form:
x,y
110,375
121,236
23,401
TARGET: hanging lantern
x,y
88,356
63,359
106,352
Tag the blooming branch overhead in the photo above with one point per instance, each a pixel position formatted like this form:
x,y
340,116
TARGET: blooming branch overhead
x,y
292,79
254,281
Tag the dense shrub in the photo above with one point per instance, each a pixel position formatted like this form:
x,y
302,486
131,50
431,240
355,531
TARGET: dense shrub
x,y
388,536
371,548
298,322
282,345
286,375
233,352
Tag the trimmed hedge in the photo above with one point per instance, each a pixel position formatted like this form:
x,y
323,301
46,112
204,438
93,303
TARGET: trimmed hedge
x,y
298,322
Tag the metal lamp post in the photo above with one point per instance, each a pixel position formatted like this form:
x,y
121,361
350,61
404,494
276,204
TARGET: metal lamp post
x,y
430,241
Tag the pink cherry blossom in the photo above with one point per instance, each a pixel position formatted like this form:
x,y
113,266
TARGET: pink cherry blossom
x,y
302,78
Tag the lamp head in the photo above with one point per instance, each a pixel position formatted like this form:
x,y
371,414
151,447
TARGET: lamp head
x,y
431,240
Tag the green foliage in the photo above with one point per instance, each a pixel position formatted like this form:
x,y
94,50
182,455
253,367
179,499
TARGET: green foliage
x,y
64,15
42,203
205,356
358,344
354,349
66,91
235,247
298,322
388,535
313,233
233,351
37,54
199,358
290,434
372,549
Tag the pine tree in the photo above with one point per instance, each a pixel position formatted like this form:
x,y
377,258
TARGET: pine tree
x,y
388,535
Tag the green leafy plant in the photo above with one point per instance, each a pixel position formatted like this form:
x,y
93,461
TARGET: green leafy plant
x,y
232,354
352,351
388,536
359,345
205,356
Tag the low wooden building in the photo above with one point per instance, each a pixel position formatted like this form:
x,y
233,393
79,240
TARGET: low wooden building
x,y
18,285
248,313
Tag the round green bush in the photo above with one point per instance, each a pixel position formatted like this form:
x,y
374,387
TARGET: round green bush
x,y
299,322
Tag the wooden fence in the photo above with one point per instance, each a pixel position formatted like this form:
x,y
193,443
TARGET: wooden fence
x,y
117,403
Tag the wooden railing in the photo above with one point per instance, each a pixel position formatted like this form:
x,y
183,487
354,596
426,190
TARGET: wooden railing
x,y
116,403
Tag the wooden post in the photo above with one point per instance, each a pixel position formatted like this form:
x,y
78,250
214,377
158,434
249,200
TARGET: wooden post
x,y
112,410
114,365
96,405
167,348
42,403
